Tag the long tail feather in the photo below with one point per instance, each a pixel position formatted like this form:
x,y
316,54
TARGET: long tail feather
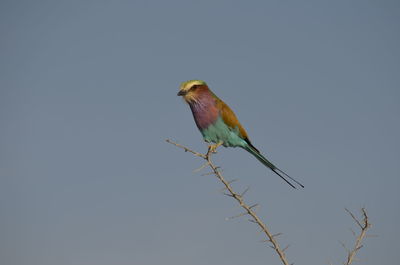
x,y
268,164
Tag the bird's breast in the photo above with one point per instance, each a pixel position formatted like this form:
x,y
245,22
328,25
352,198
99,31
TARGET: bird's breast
x,y
205,113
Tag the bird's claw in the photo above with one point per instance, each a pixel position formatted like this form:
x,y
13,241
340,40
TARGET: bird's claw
x,y
213,148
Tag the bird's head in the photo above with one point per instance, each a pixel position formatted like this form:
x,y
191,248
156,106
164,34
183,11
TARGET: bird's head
x,y
189,89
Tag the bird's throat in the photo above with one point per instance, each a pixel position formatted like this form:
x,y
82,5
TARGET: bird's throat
x,y
204,111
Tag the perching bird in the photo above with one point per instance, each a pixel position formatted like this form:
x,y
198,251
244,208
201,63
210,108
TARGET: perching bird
x,y
219,125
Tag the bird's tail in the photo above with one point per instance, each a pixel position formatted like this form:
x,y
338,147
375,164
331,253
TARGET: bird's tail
x,y
276,170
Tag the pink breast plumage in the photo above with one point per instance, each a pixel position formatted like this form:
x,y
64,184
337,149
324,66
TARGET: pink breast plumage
x,y
204,111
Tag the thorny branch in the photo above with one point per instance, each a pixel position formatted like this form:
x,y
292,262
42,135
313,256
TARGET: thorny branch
x,y
239,198
364,225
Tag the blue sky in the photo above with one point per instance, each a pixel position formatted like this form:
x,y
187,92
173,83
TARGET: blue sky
x,y
88,96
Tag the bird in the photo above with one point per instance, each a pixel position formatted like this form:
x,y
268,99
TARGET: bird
x,y
219,125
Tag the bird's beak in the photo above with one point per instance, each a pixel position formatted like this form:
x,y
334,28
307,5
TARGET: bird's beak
x,y
181,93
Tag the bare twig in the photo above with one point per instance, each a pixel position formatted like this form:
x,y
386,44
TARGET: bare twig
x,y
364,226
239,198
187,149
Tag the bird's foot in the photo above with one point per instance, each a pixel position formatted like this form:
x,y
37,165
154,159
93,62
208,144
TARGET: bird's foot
x,y
213,148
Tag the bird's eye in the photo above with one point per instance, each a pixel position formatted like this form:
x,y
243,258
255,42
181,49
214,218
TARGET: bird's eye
x,y
194,87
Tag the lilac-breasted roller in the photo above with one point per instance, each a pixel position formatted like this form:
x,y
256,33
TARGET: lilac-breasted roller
x,y
219,125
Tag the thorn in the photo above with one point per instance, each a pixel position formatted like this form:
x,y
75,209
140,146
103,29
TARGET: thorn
x,y
244,192
229,182
235,216
277,234
283,250
354,218
359,247
254,205
344,246
200,168
217,170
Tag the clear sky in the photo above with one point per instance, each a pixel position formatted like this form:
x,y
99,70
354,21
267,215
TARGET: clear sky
x,y
88,96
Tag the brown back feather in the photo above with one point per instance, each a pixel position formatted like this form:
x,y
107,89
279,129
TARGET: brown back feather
x,y
229,117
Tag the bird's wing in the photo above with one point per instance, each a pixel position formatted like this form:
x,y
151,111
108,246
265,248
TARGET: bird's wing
x,y
230,119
